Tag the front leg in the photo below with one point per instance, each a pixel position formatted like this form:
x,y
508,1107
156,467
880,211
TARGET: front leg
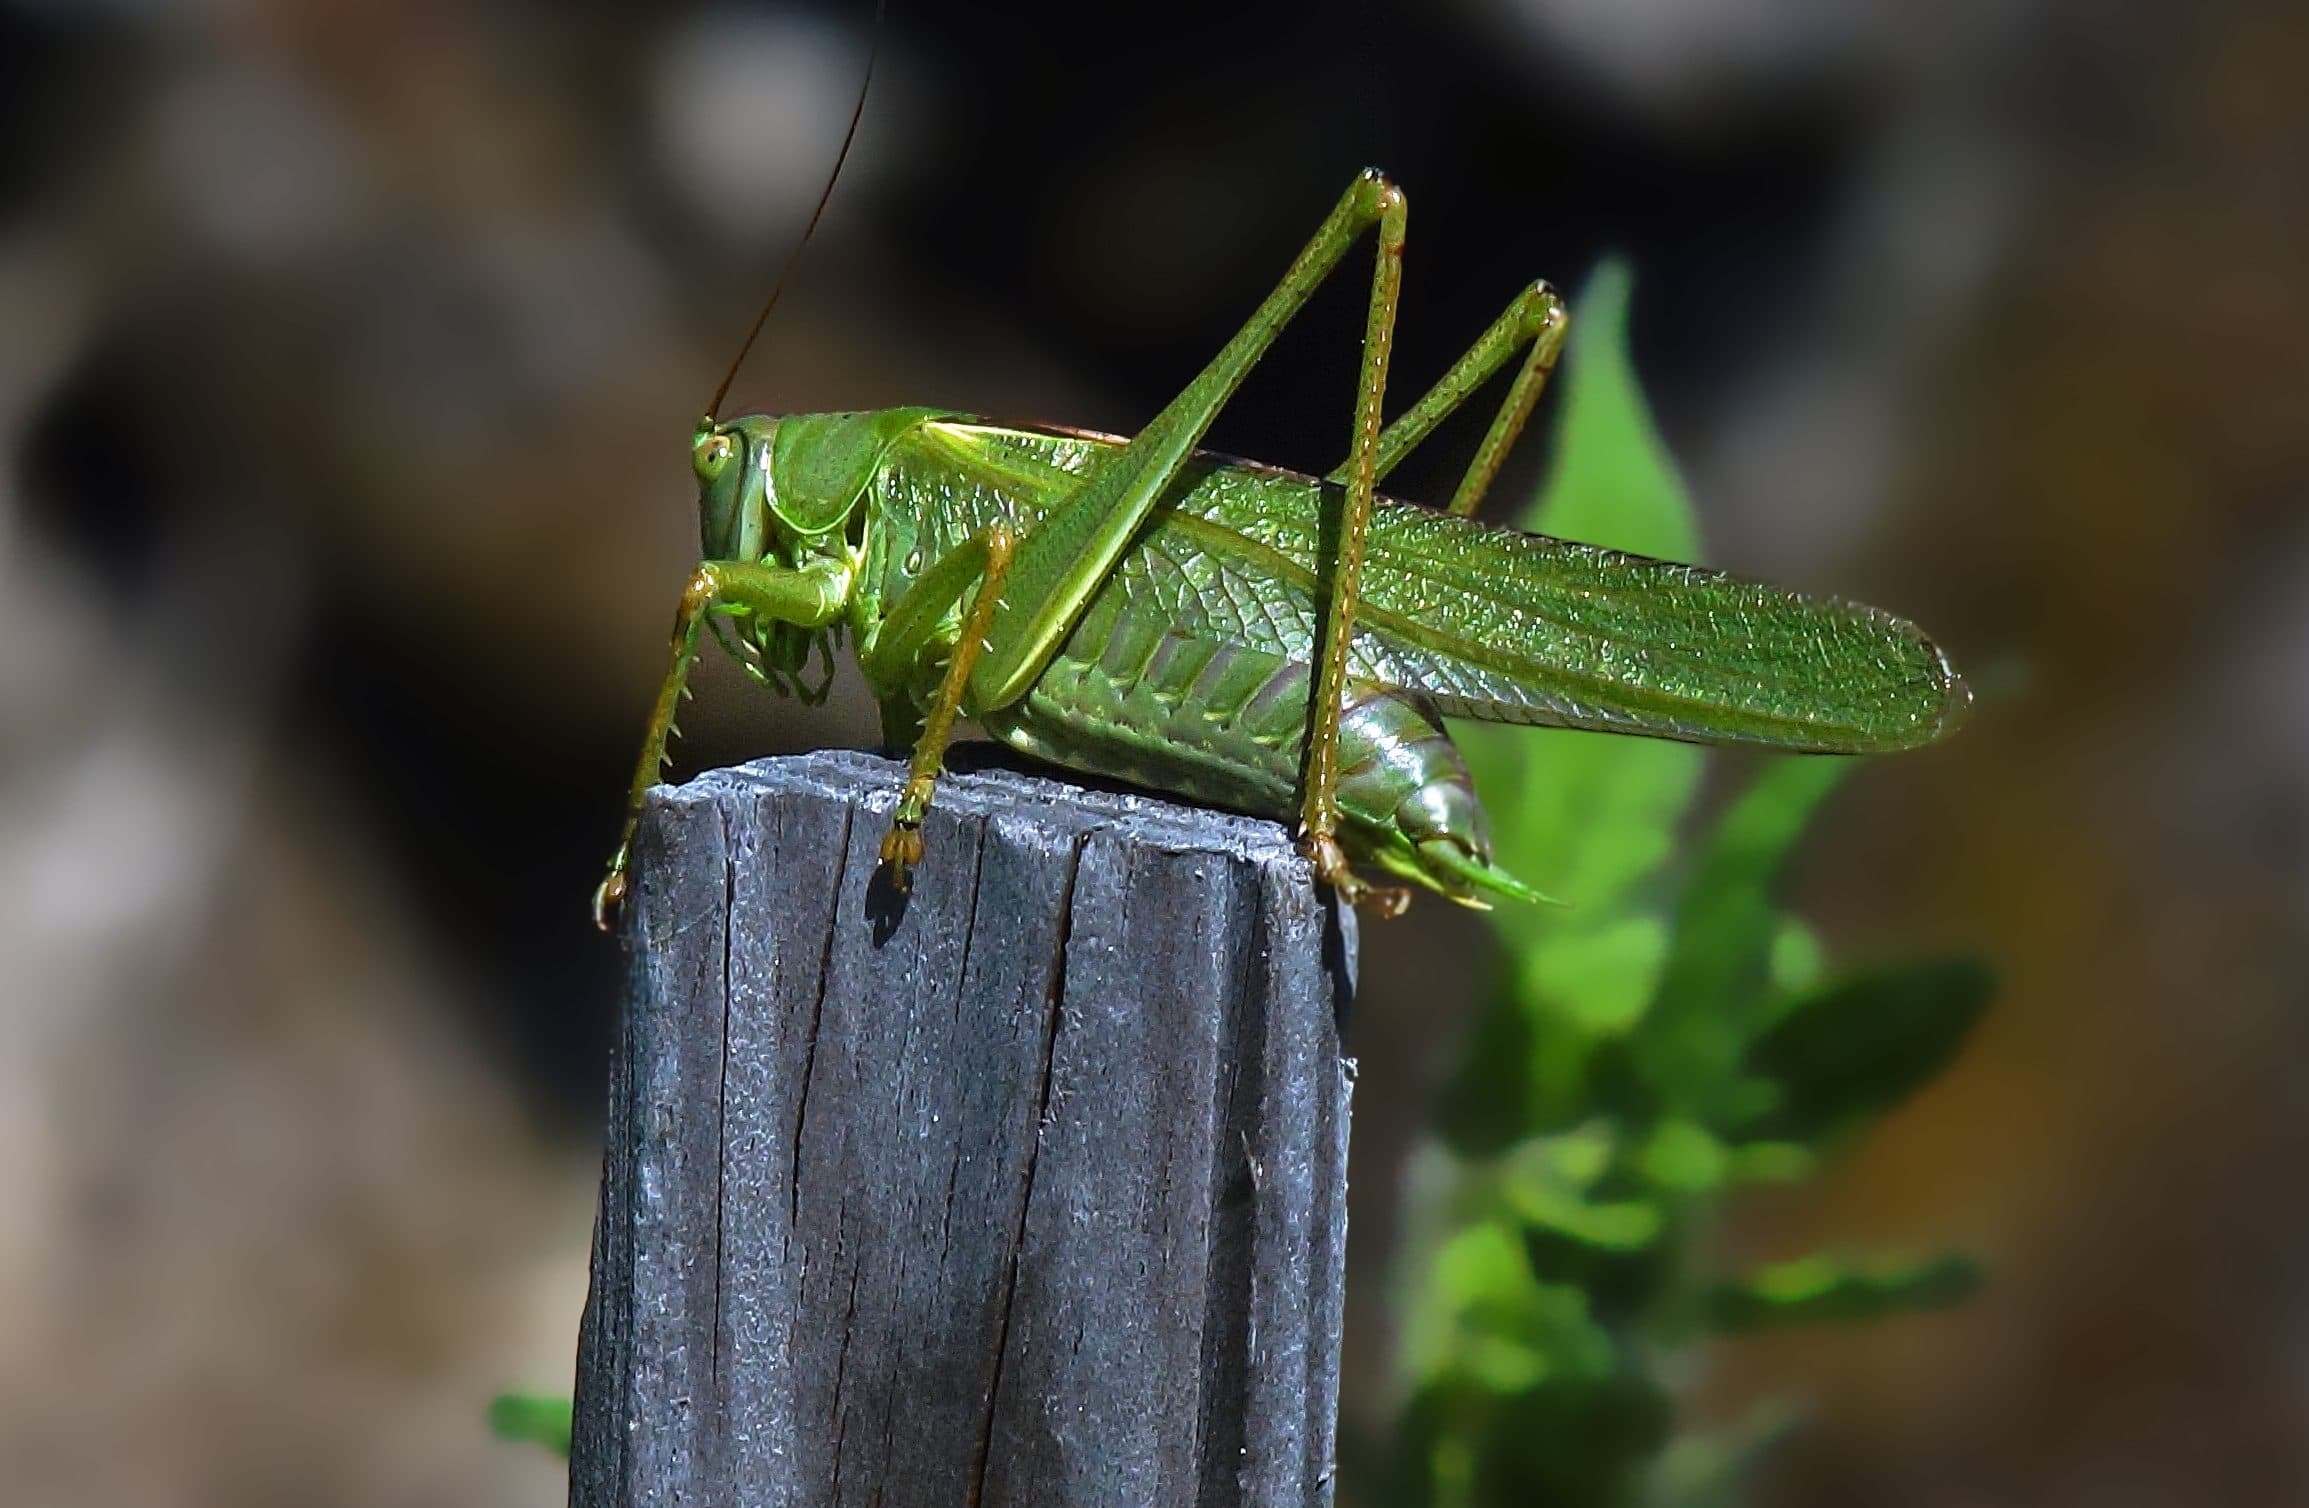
x,y
912,625
811,597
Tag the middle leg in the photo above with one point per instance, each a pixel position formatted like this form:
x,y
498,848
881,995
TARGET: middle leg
x,y
984,558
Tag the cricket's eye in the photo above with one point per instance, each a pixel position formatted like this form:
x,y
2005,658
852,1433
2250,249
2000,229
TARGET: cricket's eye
x,y
712,455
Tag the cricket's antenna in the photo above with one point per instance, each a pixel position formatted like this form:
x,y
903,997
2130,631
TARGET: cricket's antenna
x,y
857,113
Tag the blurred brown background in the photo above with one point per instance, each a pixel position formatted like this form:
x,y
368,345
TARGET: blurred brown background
x,y
348,349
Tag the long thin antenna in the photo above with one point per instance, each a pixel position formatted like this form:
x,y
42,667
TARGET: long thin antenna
x,y
857,113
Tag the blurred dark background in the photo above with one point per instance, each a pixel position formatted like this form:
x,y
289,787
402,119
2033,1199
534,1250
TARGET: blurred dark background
x,y
348,353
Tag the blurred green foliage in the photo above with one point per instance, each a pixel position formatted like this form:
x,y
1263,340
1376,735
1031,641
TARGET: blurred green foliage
x,y
1672,1037
534,1418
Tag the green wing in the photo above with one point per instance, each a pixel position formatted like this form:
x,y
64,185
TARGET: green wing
x,y
1501,626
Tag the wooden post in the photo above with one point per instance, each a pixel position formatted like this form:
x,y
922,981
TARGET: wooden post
x,y
1028,1188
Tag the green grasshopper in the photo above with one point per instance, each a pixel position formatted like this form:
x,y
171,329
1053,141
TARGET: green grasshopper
x,y
1245,636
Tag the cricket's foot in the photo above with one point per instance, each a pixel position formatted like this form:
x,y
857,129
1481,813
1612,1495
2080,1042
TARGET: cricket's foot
x,y
609,894
1331,868
902,850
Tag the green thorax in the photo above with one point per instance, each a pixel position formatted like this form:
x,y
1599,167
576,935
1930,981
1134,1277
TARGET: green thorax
x,y
941,481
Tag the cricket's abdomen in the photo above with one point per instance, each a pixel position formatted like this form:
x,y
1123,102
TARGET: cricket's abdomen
x,y
1129,697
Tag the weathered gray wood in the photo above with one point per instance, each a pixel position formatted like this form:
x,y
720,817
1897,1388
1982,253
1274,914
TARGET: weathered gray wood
x,y
1027,1190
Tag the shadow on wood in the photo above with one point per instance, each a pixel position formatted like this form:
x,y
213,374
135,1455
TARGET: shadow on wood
x,y
1029,1190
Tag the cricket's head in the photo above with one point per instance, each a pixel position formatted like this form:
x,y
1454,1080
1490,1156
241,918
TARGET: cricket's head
x,y
733,459
743,514
732,462
785,490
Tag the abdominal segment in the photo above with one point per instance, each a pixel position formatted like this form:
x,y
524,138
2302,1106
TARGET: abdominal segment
x,y
1129,698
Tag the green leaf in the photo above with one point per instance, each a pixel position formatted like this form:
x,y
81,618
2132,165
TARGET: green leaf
x,y
1585,817
1592,819
1613,482
1859,1046
532,1418
1598,977
1485,1320
1797,958
1547,1183
1682,1158
1479,1273
1719,963
1821,1290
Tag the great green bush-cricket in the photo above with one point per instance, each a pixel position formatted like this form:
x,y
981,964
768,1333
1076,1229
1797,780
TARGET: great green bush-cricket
x,y
1245,636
